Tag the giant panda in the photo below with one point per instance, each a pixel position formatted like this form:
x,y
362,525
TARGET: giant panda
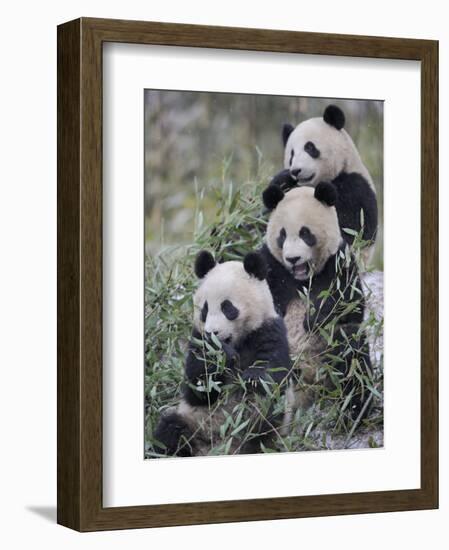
x,y
238,349
319,149
314,280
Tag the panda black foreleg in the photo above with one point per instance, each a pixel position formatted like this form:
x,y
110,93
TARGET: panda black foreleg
x,y
268,354
201,368
351,346
266,378
355,195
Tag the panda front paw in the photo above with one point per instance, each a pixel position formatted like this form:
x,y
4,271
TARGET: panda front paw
x,y
284,180
206,350
252,378
232,355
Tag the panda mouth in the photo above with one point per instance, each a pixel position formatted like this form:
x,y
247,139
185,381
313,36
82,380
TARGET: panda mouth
x,y
301,271
305,180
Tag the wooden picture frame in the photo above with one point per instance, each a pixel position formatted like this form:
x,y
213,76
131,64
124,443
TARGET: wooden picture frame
x,y
80,351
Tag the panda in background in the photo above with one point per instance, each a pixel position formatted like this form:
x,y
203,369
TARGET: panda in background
x,y
315,284
320,150
238,342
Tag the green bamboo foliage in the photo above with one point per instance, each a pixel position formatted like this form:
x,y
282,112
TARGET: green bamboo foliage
x,y
236,228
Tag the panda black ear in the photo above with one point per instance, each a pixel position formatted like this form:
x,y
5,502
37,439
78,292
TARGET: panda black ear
x,y
287,129
204,263
255,265
334,116
327,193
272,196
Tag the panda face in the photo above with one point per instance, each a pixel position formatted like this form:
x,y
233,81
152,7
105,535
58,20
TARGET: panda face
x,y
231,303
315,151
303,233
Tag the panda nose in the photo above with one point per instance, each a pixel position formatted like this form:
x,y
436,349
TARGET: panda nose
x,y
209,332
295,173
293,260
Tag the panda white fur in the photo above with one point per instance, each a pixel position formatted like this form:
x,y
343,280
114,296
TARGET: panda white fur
x,y
320,150
315,284
233,303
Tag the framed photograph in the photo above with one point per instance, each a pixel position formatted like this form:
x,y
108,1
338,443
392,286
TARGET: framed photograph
x,y
247,274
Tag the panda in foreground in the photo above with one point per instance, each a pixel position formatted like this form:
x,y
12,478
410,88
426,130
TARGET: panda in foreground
x,y
319,149
315,284
238,348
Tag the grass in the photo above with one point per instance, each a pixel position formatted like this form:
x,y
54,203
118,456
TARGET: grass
x,y
238,227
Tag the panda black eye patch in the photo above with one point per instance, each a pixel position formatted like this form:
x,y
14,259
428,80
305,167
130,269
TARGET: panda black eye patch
x,y
204,312
281,239
310,148
229,310
307,236
292,154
